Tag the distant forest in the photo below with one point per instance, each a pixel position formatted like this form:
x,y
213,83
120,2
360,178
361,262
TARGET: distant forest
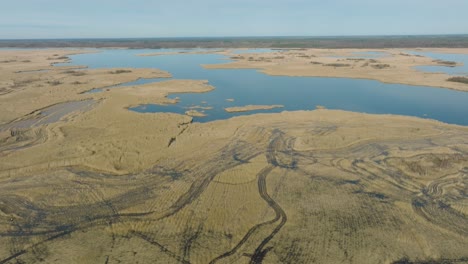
x,y
364,42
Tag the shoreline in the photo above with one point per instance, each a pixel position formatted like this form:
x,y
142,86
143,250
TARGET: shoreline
x,y
396,66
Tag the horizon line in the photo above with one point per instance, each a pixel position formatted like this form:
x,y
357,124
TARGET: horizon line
x,y
224,37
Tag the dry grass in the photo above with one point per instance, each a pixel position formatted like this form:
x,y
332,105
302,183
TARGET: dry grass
x,y
337,64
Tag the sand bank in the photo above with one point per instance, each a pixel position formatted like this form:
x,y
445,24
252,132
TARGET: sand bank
x,y
251,108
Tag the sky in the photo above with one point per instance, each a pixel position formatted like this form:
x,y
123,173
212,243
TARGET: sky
x,y
32,19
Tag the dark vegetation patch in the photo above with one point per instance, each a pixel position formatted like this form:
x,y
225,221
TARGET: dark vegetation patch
x,y
75,73
305,56
459,79
315,62
59,58
380,66
362,42
446,63
355,59
22,82
337,65
54,82
120,71
406,260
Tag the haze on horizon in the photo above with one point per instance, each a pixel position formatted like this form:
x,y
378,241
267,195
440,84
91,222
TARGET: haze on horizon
x,y
28,19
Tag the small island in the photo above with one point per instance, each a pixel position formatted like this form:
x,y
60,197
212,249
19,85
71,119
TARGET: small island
x,y
247,108
195,113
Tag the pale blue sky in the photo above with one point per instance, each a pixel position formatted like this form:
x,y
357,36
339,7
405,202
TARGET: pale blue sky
x,y
195,18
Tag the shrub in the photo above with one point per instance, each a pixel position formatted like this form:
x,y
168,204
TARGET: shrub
x,y
446,63
120,71
459,79
380,66
337,65
54,82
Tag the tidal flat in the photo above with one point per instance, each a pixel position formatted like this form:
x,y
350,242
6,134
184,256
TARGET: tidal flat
x,y
95,182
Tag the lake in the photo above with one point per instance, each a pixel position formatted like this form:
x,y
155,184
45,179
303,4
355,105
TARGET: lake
x,y
248,86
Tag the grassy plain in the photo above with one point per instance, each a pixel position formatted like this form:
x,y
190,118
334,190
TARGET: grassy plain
x,y
106,185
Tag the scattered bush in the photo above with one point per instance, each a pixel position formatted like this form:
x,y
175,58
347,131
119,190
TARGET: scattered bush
x,y
446,63
54,82
459,79
337,65
355,59
380,66
23,82
315,62
75,73
120,71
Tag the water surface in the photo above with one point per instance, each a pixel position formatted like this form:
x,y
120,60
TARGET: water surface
x,y
457,70
247,86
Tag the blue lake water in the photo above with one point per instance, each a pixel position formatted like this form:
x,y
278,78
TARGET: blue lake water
x,y
458,70
247,86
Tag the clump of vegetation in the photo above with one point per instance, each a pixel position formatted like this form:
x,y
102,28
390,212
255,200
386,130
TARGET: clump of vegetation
x,y
337,65
75,73
365,64
380,66
26,61
54,82
278,57
7,61
59,58
459,79
315,62
23,82
237,57
405,54
120,71
77,82
373,61
446,63
355,59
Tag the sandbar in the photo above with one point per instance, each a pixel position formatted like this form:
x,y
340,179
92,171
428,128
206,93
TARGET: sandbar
x,y
251,108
